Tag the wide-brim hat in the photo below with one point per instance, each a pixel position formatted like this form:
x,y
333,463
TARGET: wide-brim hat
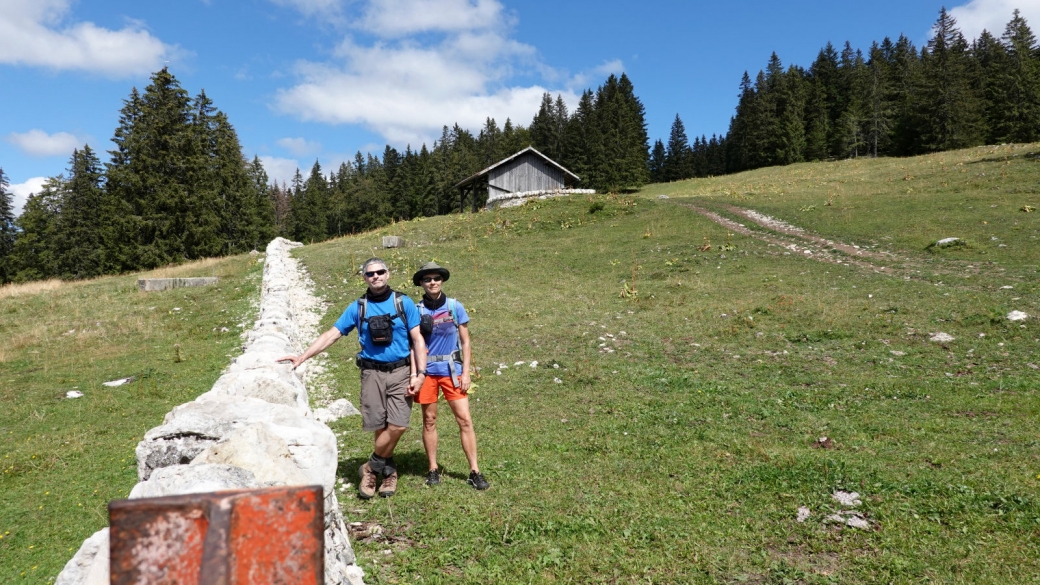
x,y
430,268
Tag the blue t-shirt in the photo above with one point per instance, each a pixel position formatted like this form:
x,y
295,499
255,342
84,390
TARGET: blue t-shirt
x,y
399,347
444,338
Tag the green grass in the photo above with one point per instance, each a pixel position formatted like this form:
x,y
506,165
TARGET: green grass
x,y
63,460
683,455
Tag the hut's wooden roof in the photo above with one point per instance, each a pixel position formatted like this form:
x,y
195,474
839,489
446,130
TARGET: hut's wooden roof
x,y
473,178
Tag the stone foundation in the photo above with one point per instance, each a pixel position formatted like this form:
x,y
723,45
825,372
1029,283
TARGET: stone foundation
x,y
157,284
514,199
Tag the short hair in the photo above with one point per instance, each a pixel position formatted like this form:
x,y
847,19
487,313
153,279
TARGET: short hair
x,y
373,260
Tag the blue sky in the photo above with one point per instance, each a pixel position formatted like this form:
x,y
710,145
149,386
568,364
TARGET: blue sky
x,y
306,80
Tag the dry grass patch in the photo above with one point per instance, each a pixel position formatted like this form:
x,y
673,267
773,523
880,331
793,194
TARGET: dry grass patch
x,y
18,289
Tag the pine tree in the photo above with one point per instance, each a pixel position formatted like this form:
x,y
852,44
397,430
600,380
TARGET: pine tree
x,y
950,106
150,171
207,207
34,255
878,100
677,163
787,99
583,148
8,230
261,206
543,127
1019,81
637,147
905,65
78,240
991,60
738,139
658,159
849,135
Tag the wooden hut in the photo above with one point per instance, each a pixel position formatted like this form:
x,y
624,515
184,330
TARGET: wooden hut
x,y
527,173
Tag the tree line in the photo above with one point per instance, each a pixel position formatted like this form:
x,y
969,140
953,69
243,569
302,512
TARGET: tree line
x,y
897,100
604,142
177,187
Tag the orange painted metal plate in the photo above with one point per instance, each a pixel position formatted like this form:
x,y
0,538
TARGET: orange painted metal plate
x,y
273,535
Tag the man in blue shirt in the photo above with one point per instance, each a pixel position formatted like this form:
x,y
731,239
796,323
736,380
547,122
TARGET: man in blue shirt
x,y
386,320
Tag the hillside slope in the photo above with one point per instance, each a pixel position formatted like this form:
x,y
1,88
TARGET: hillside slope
x,y
671,428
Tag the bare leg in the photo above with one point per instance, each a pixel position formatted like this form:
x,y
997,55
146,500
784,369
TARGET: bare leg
x,y
386,440
429,433
460,408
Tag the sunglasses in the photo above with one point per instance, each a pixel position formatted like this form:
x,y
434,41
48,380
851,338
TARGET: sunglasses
x,y
430,279
372,273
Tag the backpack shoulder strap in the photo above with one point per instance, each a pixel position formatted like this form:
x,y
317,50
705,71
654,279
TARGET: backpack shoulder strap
x,y
362,304
399,305
455,319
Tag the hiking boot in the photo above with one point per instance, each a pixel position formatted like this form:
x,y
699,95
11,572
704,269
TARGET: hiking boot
x,y
433,477
389,485
476,479
367,485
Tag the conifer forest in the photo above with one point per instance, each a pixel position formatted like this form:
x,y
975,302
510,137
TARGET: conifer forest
x,y
176,186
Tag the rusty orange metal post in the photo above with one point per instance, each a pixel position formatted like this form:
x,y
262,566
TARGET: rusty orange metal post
x,y
272,535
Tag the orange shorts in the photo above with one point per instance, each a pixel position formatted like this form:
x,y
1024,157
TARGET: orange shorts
x,y
428,392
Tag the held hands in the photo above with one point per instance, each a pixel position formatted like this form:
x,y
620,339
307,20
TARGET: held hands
x,y
415,384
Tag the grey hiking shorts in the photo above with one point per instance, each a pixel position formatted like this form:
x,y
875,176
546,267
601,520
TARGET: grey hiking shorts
x,y
384,399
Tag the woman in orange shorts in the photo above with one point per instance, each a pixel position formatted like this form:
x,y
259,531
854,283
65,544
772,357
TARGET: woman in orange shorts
x,y
447,369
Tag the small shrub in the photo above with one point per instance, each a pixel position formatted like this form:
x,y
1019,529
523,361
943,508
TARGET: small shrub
x,y
597,206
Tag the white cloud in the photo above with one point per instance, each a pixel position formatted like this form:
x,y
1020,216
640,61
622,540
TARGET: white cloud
x,y
439,62
39,143
993,15
395,18
37,33
21,192
312,7
279,170
300,146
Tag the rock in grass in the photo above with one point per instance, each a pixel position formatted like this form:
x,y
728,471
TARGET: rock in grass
x,y
941,337
848,499
946,243
338,409
1017,316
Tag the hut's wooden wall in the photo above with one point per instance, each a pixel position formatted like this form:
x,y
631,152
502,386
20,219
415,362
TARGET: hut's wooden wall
x,y
526,173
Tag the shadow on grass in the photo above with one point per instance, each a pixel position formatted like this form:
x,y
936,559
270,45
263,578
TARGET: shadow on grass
x,y
411,462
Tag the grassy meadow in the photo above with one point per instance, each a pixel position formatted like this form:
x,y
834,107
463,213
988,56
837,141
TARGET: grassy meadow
x,y
671,427
64,459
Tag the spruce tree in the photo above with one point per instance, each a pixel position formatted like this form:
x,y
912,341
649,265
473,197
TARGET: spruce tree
x,y
1019,118
991,61
677,163
35,254
543,127
878,100
150,170
262,207
8,230
951,110
658,160
79,238
905,66
738,139
583,147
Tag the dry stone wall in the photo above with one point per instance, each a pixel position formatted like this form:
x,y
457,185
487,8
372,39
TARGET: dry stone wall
x,y
254,428
499,200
